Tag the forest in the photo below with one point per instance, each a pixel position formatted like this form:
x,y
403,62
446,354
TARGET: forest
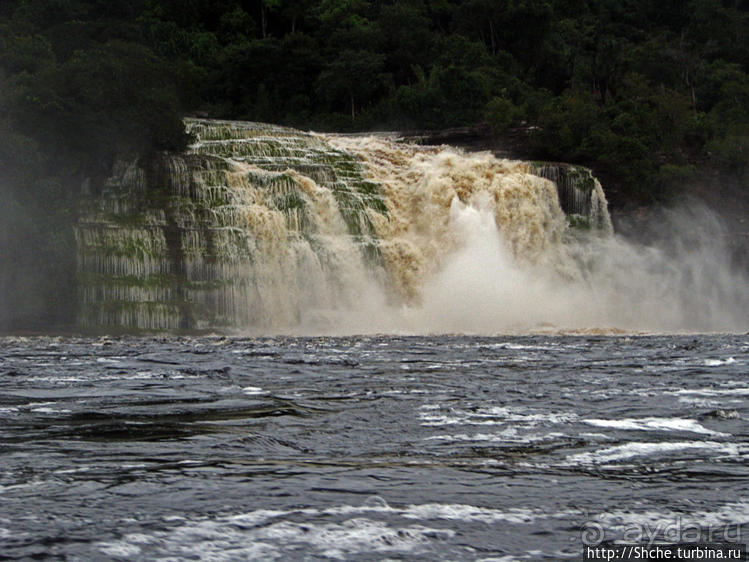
x,y
648,94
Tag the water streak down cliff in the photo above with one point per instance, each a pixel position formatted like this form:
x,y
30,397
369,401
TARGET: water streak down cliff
x,y
266,227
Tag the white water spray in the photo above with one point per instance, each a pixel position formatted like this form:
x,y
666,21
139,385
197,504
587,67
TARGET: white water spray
x,y
594,284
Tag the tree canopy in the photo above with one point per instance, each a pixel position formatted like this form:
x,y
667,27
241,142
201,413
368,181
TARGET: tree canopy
x,y
641,91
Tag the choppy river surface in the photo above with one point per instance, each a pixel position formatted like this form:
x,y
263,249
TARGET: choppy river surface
x,y
369,448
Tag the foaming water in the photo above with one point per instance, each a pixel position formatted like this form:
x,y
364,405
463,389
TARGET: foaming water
x,y
473,244
423,187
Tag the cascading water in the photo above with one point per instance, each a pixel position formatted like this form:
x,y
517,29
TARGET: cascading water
x,y
271,229
580,194
420,185
255,226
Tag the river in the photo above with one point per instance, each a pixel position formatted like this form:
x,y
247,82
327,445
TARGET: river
x,y
369,448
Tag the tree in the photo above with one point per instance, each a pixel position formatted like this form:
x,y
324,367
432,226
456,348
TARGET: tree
x,y
110,99
354,76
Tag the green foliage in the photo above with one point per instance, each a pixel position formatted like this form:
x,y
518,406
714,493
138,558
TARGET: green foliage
x,y
625,87
351,79
732,151
501,113
655,81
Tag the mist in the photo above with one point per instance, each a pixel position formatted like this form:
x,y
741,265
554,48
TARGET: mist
x,y
37,267
681,281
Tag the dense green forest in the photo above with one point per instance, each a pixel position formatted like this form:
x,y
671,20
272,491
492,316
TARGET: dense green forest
x,y
647,93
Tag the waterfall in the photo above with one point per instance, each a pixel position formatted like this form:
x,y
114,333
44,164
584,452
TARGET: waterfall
x,y
269,229
580,194
420,185
255,226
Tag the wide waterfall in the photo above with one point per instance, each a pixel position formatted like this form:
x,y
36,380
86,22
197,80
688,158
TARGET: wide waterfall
x,y
269,229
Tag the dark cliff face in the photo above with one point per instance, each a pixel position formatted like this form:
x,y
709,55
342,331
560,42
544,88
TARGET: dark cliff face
x,y
37,265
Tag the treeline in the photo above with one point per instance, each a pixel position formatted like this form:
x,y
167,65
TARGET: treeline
x,y
642,90
647,93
